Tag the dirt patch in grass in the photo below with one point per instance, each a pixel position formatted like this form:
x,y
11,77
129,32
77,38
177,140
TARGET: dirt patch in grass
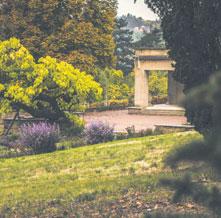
x,y
131,205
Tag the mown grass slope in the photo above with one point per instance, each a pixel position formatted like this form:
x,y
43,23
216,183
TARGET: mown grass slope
x,y
105,170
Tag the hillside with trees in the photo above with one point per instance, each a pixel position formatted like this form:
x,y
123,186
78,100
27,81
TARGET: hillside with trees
x,y
146,33
77,32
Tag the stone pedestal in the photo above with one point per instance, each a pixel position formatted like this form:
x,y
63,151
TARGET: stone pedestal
x,y
158,110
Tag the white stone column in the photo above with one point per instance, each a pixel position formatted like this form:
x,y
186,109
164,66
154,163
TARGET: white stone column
x,y
141,87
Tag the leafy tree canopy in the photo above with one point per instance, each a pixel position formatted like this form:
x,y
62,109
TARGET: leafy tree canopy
x,y
48,88
79,32
158,84
113,83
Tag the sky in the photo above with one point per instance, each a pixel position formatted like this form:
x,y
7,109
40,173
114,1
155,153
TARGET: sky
x,y
139,9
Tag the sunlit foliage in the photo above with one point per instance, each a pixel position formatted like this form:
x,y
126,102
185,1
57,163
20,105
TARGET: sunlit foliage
x,y
47,88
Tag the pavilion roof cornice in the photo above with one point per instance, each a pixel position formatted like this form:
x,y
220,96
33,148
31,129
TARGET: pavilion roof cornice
x,y
154,58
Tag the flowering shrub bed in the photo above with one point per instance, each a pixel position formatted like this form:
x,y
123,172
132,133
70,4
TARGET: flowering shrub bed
x,y
98,132
41,137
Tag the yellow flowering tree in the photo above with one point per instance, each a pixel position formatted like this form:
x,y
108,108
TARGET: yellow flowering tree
x,y
48,88
113,83
158,84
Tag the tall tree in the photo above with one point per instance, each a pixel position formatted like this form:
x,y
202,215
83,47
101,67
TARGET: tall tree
x,y
192,31
77,31
151,40
124,46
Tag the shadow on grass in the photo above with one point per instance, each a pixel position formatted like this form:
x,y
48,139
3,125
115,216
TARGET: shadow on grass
x,y
176,215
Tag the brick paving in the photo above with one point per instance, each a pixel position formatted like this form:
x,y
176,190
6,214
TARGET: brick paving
x,y
122,120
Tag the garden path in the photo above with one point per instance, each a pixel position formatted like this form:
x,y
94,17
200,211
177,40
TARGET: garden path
x,y
121,120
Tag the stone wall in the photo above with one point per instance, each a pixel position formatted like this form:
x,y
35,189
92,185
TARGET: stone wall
x,y
19,122
166,129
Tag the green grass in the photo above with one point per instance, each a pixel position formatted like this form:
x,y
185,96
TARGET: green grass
x,y
105,170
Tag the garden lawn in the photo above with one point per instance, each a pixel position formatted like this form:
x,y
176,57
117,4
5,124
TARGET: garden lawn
x,y
104,170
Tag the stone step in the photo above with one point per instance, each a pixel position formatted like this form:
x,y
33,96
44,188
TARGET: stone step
x,y
158,110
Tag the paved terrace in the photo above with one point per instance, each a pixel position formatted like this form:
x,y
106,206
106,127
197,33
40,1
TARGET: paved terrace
x,y
122,120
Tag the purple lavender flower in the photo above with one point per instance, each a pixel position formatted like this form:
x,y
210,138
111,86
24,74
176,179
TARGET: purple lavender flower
x,y
41,137
98,132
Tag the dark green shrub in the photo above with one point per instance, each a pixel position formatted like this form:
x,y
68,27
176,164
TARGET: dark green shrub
x,y
121,136
159,100
131,132
207,150
118,104
111,105
143,133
